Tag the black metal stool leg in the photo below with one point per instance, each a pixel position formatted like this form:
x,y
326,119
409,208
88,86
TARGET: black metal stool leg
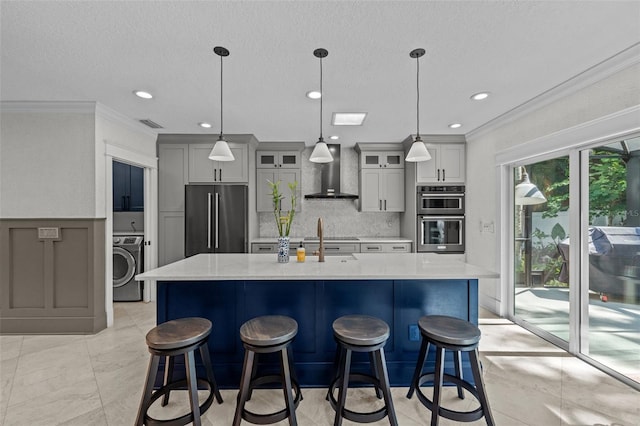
x,y
192,384
245,383
458,362
285,370
169,362
437,386
344,385
204,354
383,376
422,357
482,393
148,389
374,366
294,376
337,362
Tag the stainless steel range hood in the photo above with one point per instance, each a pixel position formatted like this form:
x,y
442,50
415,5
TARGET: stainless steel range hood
x,y
330,178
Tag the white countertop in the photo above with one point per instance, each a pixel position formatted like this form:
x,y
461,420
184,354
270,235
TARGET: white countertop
x,y
206,267
366,240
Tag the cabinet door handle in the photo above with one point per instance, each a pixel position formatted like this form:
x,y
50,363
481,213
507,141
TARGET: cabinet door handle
x,y
215,175
443,178
220,175
438,175
128,203
123,203
380,203
385,205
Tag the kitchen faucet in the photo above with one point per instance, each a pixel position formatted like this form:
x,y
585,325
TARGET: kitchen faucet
x,y
321,248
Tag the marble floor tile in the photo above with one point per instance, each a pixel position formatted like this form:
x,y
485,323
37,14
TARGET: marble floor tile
x,y
96,380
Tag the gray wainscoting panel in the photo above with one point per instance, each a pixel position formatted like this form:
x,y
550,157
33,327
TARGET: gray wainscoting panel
x,y
52,276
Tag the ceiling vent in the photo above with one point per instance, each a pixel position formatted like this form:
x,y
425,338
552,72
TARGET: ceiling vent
x,y
151,124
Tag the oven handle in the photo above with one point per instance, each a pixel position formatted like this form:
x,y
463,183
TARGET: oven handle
x,y
440,195
427,217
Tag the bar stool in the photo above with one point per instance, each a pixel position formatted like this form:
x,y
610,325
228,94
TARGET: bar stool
x,y
448,333
263,335
361,333
170,339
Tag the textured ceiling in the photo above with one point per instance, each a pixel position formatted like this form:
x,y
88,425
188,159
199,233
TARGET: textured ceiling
x,y
102,51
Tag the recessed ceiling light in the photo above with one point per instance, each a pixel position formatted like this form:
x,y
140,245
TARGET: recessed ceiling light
x,y
205,125
142,94
314,94
348,118
455,125
480,96
334,137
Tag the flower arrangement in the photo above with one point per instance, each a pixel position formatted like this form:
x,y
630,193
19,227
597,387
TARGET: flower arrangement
x,y
283,219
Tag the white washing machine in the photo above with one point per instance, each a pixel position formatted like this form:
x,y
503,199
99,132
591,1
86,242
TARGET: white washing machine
x,y
127,263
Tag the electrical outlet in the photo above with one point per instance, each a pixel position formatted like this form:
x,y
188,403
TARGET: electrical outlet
x,y
414,333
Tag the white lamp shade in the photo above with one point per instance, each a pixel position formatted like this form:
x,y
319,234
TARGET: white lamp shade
x,y
527,194
321,153
418,152
221,151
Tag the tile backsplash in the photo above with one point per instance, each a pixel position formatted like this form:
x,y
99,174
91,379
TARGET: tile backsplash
x,y
128,221
341,218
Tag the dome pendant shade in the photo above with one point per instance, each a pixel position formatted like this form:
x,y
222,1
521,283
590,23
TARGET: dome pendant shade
x,y
527,193
321,153
221,151
418,151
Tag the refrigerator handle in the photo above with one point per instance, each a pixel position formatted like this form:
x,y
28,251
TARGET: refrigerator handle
x,y
217,217
209,220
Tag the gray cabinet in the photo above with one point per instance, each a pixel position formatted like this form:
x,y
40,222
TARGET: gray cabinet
x,y
447,164
170,237
203,170
381,169
333,249
173,175
385,247
275,163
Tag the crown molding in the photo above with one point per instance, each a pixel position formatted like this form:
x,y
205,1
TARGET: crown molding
x,y
107,113
610,66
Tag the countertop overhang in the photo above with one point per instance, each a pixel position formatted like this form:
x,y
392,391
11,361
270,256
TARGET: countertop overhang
x,y
400,266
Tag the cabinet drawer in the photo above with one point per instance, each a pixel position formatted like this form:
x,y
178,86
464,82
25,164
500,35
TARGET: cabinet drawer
x,y
264,248
333,249
370,248
396,248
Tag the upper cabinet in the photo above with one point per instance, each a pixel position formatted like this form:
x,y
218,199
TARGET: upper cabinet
x,y
201,169
277,161
128,184
447,164
381,159
381,177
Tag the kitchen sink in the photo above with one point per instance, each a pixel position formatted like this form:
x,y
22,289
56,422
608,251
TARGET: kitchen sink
x,y
339,259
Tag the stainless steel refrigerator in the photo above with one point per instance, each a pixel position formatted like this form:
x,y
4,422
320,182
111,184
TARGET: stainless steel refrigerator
x,y
216,219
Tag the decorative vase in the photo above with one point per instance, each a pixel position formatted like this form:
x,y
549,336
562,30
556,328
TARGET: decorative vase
x,y
283,249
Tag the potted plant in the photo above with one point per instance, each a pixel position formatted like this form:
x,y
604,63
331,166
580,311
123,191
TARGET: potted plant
x,y
284,219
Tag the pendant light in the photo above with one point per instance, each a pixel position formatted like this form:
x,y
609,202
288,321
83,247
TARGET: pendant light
x,y
221,150
418,150
527,193
321,152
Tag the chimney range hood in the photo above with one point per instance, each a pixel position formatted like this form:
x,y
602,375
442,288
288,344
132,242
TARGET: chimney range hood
x,y
330,179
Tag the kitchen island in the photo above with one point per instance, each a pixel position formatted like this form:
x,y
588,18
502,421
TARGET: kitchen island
x,y
398,288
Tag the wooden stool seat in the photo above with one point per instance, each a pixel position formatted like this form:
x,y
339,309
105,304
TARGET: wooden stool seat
x,y
360,333
263,335
454,334
170,339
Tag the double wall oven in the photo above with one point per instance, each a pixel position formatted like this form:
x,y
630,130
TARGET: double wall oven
x,y
440,211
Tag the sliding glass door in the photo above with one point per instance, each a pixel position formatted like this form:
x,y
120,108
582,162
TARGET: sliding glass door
x,y
599,318
541,232
612,326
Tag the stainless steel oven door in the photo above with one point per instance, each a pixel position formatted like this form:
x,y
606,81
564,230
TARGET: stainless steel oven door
x,y
440,204
441,234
